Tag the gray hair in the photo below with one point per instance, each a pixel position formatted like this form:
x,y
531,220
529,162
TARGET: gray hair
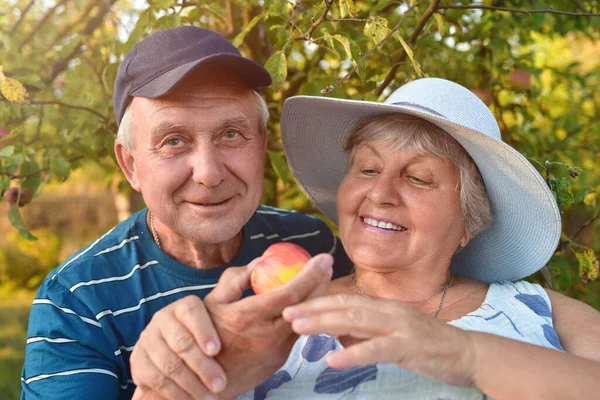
x,y
425,137
126,138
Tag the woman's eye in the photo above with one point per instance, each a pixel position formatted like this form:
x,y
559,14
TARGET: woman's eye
x,y
416,180
367,171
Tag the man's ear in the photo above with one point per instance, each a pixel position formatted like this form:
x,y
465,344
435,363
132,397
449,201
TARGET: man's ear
x,y
127,163
265,136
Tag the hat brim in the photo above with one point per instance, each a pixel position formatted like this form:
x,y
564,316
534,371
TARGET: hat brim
x,y
526,226
251,72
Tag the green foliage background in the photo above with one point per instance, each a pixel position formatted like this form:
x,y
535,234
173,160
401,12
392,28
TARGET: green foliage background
x,y
66,52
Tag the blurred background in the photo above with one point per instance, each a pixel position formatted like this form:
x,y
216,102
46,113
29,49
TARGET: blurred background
x,y
536,64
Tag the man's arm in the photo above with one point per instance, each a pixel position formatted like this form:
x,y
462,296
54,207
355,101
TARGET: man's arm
x,y
255,339
67,354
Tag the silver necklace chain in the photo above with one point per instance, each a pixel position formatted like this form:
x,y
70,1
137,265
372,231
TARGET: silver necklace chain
x,y
153,230
444,290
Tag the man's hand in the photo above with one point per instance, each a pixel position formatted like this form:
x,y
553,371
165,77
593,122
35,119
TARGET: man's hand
x,y
173,358
256,339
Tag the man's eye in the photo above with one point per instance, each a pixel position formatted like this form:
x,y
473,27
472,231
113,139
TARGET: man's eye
x,y
231,134
174,142
367,171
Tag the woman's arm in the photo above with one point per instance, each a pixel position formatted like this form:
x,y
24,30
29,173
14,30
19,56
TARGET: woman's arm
x,y
577,326
392,332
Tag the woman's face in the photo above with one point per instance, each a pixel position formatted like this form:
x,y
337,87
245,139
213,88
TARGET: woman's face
x,y
412,197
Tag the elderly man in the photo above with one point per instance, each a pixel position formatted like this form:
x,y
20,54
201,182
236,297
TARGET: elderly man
x,y
192,139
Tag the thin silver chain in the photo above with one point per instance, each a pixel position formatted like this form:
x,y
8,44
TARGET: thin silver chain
x,y
153,229
444,290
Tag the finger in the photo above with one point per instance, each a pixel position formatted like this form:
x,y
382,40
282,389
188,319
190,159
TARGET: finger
x,y
187,353
337,302
312,280
151,378
382,349
146,394
192,313
356,322
232,284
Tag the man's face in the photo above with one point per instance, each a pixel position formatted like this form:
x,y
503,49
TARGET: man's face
x,y
198,157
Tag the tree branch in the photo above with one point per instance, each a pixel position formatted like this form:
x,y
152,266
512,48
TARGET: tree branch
x,y
377,45
92,24
563,243
307,35
71,27
521,11
21,18
10,176
433,7
41,23
71,106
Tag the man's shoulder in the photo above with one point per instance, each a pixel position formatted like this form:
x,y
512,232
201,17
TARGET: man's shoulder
x,y
118,244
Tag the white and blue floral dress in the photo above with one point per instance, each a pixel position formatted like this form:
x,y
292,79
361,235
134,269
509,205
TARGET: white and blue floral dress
x,y
520,311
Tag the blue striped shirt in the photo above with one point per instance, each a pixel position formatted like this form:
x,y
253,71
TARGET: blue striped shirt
x,y
89,312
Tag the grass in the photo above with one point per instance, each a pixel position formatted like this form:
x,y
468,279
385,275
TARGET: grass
x,y
14,313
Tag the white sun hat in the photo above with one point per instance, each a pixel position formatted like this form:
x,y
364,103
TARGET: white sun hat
x,y
526,225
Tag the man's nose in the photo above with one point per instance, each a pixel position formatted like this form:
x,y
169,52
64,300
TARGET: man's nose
x,y
208,168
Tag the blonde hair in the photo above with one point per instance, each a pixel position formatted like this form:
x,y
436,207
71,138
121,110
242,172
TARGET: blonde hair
x,y
401,131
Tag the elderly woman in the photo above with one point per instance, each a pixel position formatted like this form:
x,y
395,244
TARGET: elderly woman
x,y
439,217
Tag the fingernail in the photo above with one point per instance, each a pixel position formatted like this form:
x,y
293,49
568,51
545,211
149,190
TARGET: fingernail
x,y
253,263
217,385
211,348
326,264
291,312
300,323
209,397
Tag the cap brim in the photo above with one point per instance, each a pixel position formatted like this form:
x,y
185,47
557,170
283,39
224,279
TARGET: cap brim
x,y
526,226
249,71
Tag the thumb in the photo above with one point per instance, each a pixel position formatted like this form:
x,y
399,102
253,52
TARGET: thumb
x,y
232,284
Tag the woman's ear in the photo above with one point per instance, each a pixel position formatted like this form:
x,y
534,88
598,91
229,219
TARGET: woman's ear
x,y
126,161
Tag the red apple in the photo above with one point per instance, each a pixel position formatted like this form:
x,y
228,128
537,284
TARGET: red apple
x,y
484,95
519,79
12,196
6,142
278,264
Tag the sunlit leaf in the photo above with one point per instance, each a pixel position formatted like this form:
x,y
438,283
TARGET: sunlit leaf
x,y
239,39
589,267
14,91
561,188
32,176
377,29
14,216
277,67
7,151
410,54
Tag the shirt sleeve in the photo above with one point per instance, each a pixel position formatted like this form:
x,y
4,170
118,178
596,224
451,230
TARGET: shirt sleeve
x,y
68,355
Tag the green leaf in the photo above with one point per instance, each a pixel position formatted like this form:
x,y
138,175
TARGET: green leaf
x,y
60,165
377,29
7,151
4,183
239,39
278,8
33,179
14,216
441,25
561,270
277,67
410,54
589,267
279,165
561,188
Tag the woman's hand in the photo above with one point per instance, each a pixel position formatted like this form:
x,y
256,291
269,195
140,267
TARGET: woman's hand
x,y
387,331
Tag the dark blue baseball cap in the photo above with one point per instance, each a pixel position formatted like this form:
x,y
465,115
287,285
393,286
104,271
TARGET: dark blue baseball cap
x,y
156,64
